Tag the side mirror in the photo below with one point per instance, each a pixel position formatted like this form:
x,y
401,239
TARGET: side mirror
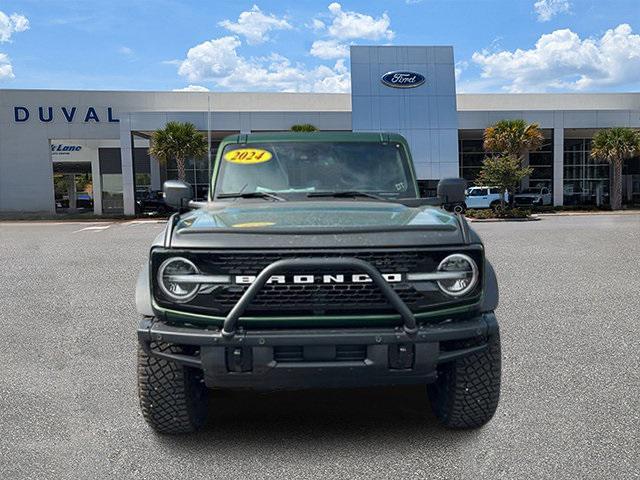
x,y
451,191
177,194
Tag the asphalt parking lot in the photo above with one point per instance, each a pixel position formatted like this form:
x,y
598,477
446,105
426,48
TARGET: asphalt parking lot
x,y
570,324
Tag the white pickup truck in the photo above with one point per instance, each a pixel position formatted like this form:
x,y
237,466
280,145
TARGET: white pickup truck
x,y
535,196
484,197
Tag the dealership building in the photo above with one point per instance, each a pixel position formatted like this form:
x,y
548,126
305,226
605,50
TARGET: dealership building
x,y
68,151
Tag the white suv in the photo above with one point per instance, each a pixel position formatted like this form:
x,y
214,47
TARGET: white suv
x,y
484,197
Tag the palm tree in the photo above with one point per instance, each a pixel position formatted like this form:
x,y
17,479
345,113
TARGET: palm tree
x,y
304,127
615,145
513,138
178,141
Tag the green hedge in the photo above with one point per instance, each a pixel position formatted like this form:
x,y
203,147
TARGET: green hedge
x,y
506,213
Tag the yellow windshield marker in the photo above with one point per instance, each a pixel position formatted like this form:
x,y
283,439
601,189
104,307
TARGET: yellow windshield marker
x,y
253,224
248,156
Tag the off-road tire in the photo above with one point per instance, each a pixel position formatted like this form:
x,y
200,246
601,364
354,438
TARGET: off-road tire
x,y
173,398
460,208
467,391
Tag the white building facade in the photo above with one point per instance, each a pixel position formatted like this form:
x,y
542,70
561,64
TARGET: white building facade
x,y
68,151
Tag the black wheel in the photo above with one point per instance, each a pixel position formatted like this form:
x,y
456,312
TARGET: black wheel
x,y
460,208
495,206
173,398
467,391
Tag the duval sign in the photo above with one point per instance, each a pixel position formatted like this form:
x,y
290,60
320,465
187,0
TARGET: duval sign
x,y
402,79
68,114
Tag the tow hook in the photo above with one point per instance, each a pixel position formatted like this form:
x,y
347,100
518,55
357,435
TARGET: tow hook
x,y
401,356
239,359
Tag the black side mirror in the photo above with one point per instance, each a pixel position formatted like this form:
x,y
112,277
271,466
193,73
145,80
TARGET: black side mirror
x,y
451,191
177,194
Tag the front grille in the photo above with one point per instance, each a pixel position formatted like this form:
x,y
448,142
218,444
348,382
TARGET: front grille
x,y
348,298
319,298
253,263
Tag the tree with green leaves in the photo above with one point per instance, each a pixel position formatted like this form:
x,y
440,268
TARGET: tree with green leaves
x,y
304,127
513,138
503,172
615,145
178,141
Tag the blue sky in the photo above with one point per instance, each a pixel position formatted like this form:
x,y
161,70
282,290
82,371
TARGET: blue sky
x,y
277,45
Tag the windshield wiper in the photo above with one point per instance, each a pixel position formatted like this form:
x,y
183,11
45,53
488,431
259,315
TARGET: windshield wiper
x,y
346,193
270,195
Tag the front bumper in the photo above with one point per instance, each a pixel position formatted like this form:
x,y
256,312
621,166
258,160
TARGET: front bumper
x,y
258,358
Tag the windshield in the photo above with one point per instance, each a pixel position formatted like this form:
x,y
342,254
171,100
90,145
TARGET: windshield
x,y
290,168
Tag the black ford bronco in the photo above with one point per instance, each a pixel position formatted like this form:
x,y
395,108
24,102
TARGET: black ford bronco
x,y
315,263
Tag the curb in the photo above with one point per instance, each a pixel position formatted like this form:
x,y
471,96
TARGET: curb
x,y
495,220
577,214
95,220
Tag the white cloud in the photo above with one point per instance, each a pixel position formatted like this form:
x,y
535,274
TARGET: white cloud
x,y
317,25
460,67
192,88
561,60
329,49
254,25
211,59
547,9
347,25
218,61
10,24
126,51
6,70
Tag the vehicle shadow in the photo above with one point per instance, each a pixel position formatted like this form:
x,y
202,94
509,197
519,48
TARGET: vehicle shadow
x,y
319,419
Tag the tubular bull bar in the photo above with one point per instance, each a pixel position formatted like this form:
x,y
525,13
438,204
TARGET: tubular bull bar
x,y
240,357
297,264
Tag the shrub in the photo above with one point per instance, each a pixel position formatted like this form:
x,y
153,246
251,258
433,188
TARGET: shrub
x,y
304,127
505,213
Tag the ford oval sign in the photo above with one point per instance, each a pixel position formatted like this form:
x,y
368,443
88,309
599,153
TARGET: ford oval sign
x,y
403,79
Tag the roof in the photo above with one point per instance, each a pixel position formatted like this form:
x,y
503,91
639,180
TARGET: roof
x,y
319,136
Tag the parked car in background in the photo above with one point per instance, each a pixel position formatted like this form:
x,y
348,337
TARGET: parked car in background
x,y
152,202
84,201
536,196
484,197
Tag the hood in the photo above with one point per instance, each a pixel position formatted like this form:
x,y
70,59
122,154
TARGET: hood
x,y
303,216
330,221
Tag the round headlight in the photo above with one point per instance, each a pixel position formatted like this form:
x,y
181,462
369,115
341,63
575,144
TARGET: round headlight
x,y
466,279
174,281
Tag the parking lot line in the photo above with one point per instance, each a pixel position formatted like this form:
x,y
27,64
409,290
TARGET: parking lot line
x,y
95,228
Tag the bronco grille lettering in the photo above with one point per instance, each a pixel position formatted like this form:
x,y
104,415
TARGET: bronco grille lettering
x,y
312,279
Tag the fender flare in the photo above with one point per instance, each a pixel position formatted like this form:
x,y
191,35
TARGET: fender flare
x,y
143,294
491,294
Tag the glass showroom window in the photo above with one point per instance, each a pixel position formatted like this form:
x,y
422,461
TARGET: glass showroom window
x,y
197,173
542,163
471,157
586,180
